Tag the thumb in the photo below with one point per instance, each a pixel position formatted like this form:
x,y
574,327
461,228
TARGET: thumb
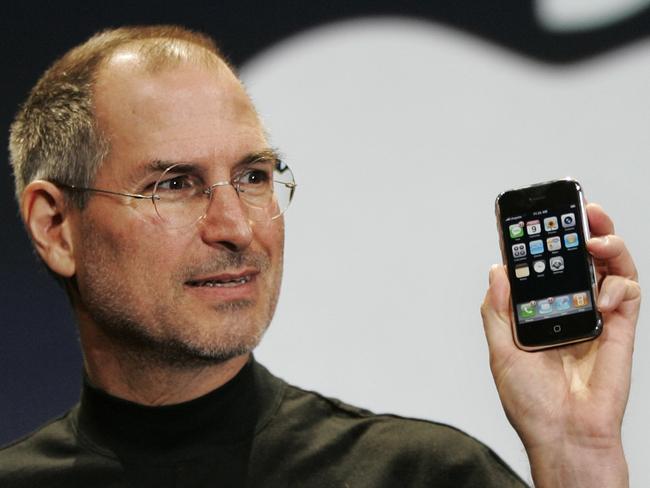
x,y
495,312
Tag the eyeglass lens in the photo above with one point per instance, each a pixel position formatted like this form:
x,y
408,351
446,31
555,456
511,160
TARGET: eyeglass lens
x,y
265,190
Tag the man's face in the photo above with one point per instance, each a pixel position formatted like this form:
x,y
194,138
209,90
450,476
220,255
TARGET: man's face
x,y
205,292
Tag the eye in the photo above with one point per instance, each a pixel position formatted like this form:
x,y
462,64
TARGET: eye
x,y
178,187
253,177
177,183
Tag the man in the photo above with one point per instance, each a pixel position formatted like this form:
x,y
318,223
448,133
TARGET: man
x,y
146,184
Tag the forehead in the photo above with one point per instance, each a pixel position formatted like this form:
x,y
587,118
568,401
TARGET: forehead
x,y
185,110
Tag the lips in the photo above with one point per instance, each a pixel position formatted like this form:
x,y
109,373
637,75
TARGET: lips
x,y
223,280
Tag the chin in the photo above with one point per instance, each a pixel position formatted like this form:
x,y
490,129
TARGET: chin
x,y
234,336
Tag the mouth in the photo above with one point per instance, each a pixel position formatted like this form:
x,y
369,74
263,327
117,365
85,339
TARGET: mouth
x,y
223,280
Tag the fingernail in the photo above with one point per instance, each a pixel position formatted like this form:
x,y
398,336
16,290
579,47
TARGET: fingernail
x,y
603,300
493,268
601,240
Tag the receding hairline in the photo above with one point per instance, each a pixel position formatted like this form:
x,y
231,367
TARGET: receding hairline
x,y
160,53
141,60
155,56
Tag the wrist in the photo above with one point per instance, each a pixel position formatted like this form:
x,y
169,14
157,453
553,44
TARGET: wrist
x,y
568,463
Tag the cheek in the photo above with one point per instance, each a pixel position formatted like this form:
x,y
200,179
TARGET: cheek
x,y
131,250
159,256
270,237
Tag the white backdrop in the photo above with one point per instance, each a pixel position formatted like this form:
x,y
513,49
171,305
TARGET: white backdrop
x,y
401,134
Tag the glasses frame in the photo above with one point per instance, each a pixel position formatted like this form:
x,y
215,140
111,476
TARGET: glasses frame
x,y
208,191
151,197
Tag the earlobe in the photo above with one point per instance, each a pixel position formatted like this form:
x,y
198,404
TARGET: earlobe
x,y
48,221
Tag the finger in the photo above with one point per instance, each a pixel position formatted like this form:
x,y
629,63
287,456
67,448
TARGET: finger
x,y
495,311
600,224
616,290
613,253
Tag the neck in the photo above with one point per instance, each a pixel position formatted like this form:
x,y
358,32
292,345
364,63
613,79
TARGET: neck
x,y
155,385
128,374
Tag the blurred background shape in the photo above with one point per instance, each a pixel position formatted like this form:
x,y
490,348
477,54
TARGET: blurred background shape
x,y
572,15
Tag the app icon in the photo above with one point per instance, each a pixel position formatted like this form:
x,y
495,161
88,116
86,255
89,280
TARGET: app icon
x,y
568,220
539,266
536,247
580,300
545,306
516,230
563,303
550,224
533,227
527,310
571,240
522,270
554,243
519,250
556,263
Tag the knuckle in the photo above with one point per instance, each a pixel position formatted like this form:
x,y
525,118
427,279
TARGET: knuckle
x,y
616,241
634,287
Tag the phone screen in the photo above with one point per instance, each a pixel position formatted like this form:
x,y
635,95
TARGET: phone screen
x,y
551,274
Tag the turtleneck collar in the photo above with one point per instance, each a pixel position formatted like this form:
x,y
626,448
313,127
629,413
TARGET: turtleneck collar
x,y
234,411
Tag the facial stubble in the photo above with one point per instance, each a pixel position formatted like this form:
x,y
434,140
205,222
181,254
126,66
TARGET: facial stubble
x,y
157,334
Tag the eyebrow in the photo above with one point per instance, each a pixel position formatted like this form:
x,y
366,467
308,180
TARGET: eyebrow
x,y
265,154
160,165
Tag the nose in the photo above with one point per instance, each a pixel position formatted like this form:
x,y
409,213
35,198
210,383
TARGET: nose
x,y
226,223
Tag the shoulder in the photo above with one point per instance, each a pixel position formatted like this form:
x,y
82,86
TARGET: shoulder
x,y
30,460
334,415
56,432
386,445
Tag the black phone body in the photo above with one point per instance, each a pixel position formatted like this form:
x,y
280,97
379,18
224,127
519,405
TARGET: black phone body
x,y
543,229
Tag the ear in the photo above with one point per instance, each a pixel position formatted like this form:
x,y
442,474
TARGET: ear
x,y
47,217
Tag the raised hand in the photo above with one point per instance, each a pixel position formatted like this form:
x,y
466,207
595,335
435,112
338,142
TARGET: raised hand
x,y
567,403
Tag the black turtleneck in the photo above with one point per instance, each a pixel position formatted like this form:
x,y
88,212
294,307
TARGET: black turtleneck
x,y
255,431
229,414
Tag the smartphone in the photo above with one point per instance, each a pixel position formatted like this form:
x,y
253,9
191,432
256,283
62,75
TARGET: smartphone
x,y
543,230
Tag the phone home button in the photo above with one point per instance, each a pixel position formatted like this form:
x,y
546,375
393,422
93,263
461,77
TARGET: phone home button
x,y
557,328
